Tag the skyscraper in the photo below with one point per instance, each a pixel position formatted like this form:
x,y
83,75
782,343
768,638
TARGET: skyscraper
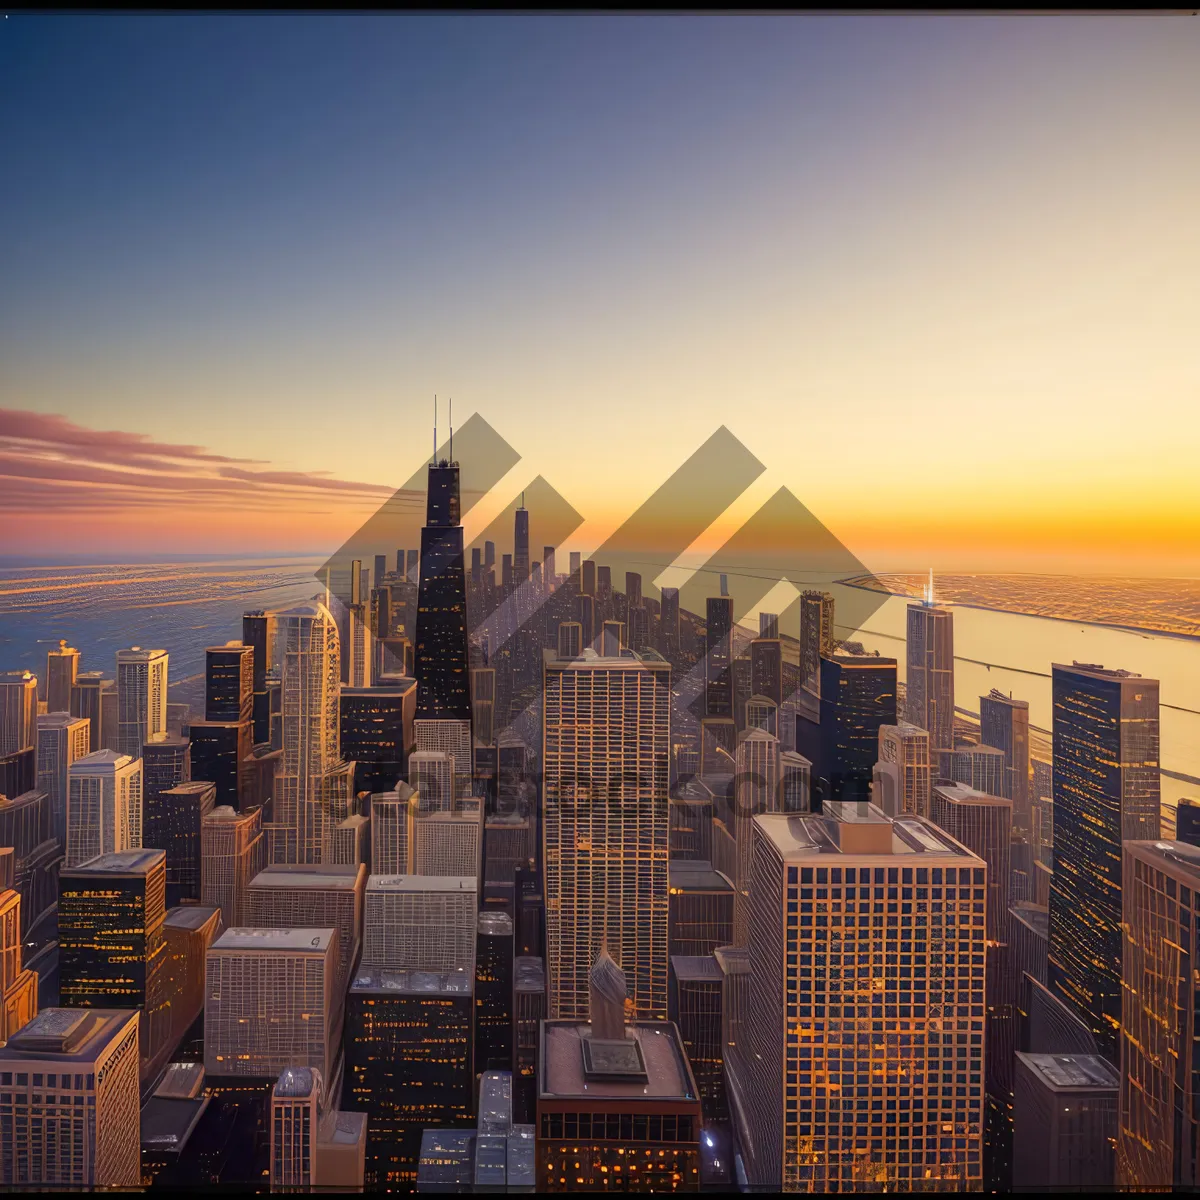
x,y
312,1144
907,747
61,740
174,819
1106,791
392,816
1004,723
718,673
18,984
443,684
521,543
669,620
62,669
376,728
979,767
258,632
288,973
18,713
816,637
233,851
1158,1127
813,1041
111,944
858,696
766,668
87,702
141,698
606,758
87,1135
421,922
929,683
312,787
104,805
229,682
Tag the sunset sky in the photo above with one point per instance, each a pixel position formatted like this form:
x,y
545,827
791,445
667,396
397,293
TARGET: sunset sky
x,y
940,274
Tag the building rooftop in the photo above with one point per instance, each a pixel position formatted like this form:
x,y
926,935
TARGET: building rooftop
x,y
226,812
960,793
396,685
852,833
333,878
120,862
100,758
422,883
694,875
73,1034
192,916
1033,916
297,1082
409,982
57,720
529,973
168,1122
315,940
1073,1072
495,924
1180,858
693,968
1096,671
588,659
196,787
563,1070
181,1080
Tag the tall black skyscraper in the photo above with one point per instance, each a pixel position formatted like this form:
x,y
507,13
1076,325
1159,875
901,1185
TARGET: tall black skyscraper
x,y
441,657
719,648
521,544
257,631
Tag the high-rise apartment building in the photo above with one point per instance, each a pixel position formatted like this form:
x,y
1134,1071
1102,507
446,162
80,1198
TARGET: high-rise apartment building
x,y
376,732
18,985
858,696
447,843
494,992
111,945
929,683
312,788
1004,723
1106,791
69,1101
718,656
286,975
408,1056
62,670
816,637
18,712
421,922
104,805
141,698
1159,1118
431,774
907,747
810,1040
233,850
61,740
766,668
174,820
979,767
229,682
313,1145
258,632
605,823
87,702
1065,1122
392,816
313,896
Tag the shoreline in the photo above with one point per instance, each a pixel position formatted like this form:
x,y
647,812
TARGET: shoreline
x,y
1145,631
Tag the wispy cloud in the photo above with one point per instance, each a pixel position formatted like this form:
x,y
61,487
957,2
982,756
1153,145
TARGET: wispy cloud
x,y
50,464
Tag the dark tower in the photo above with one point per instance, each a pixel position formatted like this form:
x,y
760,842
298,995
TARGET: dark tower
x,y
440,659
521,543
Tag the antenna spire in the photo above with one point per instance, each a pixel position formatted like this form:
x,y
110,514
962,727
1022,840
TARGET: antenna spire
x,y
451,428
435,428
929,588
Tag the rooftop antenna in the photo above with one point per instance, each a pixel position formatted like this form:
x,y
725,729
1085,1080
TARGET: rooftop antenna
x,y
451,428
435,428
929,589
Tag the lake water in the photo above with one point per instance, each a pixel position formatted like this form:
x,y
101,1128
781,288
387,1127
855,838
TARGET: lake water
x,y
1014,653
185,607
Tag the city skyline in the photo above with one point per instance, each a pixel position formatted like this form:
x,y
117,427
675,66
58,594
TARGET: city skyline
x,y
1028,262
